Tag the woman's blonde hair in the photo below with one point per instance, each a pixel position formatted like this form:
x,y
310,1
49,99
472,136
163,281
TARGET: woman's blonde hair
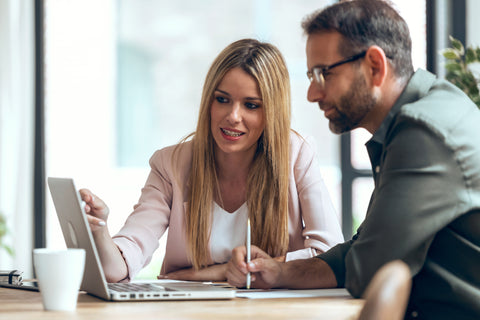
x,y
268,179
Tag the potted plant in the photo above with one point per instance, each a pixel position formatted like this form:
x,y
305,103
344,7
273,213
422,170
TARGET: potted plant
x,y
457,65
3,233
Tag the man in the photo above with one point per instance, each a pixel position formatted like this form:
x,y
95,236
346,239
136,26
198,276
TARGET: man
x,y
425,155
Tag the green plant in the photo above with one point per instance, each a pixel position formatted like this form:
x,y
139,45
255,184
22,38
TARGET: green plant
x,y
458,72
3,233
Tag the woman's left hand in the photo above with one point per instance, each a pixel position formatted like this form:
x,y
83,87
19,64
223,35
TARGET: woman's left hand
x,y
214,272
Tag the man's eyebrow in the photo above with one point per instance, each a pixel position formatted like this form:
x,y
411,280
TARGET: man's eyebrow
x,y
320,66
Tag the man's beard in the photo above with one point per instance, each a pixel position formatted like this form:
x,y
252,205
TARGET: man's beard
x,y
352,107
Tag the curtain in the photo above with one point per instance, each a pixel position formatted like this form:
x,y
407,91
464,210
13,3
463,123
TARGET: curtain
x,y
17,130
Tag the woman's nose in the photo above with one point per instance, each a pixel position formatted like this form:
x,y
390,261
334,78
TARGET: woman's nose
x,y
235,114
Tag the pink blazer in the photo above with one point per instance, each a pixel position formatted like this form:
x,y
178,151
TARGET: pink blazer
x,y
313,223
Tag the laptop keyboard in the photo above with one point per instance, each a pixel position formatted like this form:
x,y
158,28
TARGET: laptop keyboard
x,y
136,287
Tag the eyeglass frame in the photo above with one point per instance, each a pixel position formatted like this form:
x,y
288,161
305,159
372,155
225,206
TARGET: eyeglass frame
x,y
319,75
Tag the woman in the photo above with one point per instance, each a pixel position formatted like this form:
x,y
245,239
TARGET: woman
x,y
242,161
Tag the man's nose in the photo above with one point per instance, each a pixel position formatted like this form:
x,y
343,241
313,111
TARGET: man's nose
x,y
315,93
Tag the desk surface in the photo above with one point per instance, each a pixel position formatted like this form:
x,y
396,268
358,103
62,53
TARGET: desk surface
x,y
21,304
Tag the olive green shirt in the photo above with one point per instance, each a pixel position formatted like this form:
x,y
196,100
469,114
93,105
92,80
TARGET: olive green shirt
x,y
425,208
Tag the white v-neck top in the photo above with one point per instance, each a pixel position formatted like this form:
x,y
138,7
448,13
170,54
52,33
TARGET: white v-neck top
x,y
313,226
229,230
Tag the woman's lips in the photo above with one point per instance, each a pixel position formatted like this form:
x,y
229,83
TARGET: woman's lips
x,y
231,134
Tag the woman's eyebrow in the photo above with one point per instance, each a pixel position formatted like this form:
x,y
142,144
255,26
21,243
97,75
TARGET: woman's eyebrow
x,y
253,98
223,92
247,98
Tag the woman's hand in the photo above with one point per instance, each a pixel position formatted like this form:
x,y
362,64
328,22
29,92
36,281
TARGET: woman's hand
x,y
265,271
96,210
214,272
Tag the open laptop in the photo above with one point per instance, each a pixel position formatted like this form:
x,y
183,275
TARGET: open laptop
x,y
77,234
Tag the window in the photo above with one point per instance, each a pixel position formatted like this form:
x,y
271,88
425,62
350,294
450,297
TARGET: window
x,y
124,78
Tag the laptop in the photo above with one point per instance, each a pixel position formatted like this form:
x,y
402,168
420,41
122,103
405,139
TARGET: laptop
x,y
77,234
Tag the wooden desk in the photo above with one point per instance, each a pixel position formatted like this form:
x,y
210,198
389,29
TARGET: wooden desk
x,y
21,304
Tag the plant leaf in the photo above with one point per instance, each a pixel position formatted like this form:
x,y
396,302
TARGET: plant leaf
x,y
473,91
451,54
10,250
457,61
476,100
453,67
470,56
456,44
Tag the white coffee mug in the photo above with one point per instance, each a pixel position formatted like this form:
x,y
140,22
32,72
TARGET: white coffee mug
x,y
59,274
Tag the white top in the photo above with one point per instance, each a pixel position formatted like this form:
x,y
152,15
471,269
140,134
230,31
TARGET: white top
x,y
229,230
313,226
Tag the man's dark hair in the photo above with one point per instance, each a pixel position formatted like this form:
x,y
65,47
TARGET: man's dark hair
x,y
364,23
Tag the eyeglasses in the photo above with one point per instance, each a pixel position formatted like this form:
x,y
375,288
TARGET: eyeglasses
x,y
318,73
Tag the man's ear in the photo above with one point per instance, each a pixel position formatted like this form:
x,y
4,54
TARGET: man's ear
x,y
378,65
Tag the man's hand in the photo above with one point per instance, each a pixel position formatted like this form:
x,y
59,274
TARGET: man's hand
x,y
268,273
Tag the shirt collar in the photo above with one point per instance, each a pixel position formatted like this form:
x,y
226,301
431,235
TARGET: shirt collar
x,y
417,86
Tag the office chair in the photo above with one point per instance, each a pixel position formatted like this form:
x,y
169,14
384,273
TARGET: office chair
x,y
387,293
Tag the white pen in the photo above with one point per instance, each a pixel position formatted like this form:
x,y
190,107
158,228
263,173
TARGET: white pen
x,y
248,252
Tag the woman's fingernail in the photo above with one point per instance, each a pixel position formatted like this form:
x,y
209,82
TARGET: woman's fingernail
x,y
101,223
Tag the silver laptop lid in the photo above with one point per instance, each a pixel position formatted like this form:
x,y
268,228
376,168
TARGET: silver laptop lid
x,y
77,234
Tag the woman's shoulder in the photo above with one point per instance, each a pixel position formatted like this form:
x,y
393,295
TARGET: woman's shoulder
x,y
178,154
299,143
303,156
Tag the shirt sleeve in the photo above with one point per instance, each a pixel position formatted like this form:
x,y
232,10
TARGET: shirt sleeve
x,y
415,196
321,227
138,238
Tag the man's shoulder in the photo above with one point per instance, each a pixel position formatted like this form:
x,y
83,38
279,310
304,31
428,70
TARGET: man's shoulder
x,y
443,109
444,117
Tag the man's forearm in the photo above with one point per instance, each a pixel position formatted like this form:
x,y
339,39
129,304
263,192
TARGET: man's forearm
x,y
307,274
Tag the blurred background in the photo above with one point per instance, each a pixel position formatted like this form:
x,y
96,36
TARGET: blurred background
x,y
90,89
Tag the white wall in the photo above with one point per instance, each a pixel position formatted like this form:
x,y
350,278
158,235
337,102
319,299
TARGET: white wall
x,y
473,23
